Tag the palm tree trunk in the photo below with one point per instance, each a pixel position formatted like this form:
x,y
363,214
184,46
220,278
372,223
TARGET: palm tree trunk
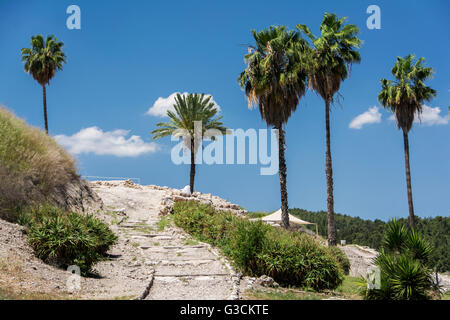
x,y
191,184
408,179
45,108
329,174
282,169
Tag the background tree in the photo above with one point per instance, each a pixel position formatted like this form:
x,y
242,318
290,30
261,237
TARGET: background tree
x,y
191,110
404,97
275,80
334,53
369,233
42,61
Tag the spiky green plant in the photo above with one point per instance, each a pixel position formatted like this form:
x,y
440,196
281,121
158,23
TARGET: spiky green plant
x,y
193,119
402,261
334,53
404,96
395,237
275,80
42,61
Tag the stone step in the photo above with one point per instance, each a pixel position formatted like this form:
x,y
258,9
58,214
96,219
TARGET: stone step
x,y
179,262
158,256
200,276
165,248
191,268
156,237
190,288
149,235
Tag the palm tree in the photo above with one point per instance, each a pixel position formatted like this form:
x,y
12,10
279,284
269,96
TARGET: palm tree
x,y
334,53
192,120
404,97
275,80
42,61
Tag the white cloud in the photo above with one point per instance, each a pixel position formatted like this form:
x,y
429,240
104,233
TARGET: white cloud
x,y
429,117
370,116
162,105
95,140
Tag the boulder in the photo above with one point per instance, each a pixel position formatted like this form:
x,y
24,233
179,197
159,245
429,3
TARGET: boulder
x,y
186,191
266,281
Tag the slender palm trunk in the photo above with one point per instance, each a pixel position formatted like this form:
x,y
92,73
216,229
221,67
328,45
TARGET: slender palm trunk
x,y
408,179
191,184
45,108
282,169
329,174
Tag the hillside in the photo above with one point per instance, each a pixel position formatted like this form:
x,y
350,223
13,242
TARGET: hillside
x,y
370,233
35,169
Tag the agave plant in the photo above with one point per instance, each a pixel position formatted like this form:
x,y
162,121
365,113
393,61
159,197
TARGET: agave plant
x,y
403,264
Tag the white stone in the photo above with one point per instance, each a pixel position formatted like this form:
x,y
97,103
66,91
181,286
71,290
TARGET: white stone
x,y
186,191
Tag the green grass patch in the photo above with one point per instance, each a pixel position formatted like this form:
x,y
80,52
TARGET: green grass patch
x,y
164,222
280,295
351,287
446,295
144,229
191,242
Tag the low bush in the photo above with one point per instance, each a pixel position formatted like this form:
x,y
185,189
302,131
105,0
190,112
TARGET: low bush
x,y
67,238
255,248
297,258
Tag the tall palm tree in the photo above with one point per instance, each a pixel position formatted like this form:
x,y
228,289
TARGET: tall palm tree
x,y
275,80
334,53
192,119
404,96
42,61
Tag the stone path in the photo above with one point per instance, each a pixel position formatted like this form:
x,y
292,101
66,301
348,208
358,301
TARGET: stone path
x,y
177,266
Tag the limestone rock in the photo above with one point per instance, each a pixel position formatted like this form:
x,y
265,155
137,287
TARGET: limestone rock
x,y
186,191
266,281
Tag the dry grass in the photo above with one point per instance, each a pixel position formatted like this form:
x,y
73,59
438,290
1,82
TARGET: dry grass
x,y
32,165
13,285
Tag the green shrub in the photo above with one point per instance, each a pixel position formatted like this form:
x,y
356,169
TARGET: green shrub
x,y
296,258
67,238
342,258
247,243
255,248
203,222
404,271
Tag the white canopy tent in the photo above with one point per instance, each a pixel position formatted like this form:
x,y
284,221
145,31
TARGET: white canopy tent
x,y
276,218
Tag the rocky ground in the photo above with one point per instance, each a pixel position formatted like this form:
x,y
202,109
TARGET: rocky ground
x,y
179,267
153,259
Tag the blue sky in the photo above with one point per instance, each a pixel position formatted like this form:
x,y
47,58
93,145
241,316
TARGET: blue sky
x,y
130,53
